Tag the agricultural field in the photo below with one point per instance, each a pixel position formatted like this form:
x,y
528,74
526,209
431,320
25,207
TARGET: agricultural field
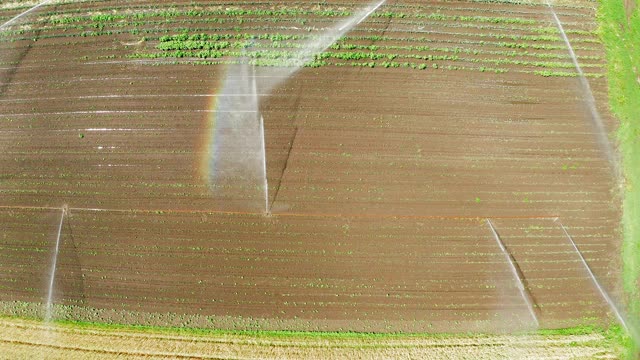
x,y
429,171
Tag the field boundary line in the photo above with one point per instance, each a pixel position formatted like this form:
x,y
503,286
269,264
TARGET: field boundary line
x,y
517,274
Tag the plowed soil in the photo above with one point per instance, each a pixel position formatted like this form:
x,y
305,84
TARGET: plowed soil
x,y
381,183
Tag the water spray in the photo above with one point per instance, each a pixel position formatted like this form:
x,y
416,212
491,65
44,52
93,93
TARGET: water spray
x,y
310,49
595,281
363,17
517,274
17,17
596,120
263,149
237,149
267,210
52,276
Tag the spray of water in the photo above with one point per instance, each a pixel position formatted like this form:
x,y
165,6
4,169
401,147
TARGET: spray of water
x,y
236,162
237,152
614,162
616,311
23,14
596,121
52,272
272,77
264,168
517,275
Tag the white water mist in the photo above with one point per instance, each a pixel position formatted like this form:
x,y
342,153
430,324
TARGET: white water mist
x,y
52,272
272,77
237,160
631,327
517,275
23,14
238,155
596,121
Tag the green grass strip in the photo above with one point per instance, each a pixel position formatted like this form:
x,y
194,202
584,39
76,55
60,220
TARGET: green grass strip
x,y
621,36
622,41
614,335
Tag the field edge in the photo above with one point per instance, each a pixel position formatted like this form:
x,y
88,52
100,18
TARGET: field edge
x,y
620,30
598,341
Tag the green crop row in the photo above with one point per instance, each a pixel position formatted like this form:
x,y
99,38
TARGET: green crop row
x,y
186,41
547,73
215,37
493,20
283,12
99,23
457,50
192,45
545,64
173,13
241,20
185,48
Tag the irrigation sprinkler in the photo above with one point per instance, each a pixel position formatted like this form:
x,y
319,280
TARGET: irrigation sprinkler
x,y
362,18
263,149
267,210
288,214
26,12
308,50
602,291
52,273
596,120
517,274
244,134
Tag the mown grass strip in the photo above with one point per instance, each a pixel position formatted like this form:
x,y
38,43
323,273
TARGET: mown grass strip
x,y
622,41
613,334
620,32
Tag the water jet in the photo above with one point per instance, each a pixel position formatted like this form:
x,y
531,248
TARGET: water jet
x,y
52,273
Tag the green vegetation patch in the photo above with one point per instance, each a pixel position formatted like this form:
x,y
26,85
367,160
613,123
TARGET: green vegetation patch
x,y
613,337
620,32
621,36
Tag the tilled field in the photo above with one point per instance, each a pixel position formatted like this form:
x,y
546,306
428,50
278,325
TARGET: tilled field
x,y
386,157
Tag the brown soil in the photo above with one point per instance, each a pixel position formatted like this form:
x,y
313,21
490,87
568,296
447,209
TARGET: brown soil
x,y
380,181
629,6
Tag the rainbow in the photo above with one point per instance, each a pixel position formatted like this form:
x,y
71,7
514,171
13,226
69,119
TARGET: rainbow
x,y
206,144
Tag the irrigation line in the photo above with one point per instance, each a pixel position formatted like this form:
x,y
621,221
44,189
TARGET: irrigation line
x,y
596,120
15,18
284,214
52,276
517,274
99,112
267,210
263,147
594,279
141,96
364,16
